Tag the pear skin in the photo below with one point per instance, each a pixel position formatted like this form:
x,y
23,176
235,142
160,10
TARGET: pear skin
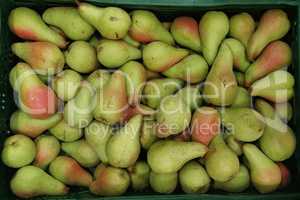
x,y
191,96
284,111
148,132
66,133
240,78
152,75
164,183
139,175
243,98
285,175
98,78
234,145
137,109
131,41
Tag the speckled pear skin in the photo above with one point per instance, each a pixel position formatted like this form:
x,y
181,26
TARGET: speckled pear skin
x,y
164,183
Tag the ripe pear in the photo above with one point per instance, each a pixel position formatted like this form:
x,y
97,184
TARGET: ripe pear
x,y
164,183
147,28
66,133
44,57
47,149
81,57
22,123
137,109
110,181
28,25
98,78
97,136
123,148
192,69
285,175
66,84
41,183
111,22
273,25
82,152
159,56
234,144
168,156
265,174
148,132
191,96
131,41
276,87
221,162
284,111
213,27
18,151
242,26
139,175
114,53
72,24
193,178
243,98
240,78
220,86
68,171
185,31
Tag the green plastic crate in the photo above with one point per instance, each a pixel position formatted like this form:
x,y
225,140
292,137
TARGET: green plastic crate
x,y
165,10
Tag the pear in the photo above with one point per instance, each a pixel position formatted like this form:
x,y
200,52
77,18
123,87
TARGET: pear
x,y
234,144
192,69
276,87
275,56
47,149
28,25
173,116
167,156
285,175
265,174
98,78
139,175
111,22
34,97
159,56
267,110
41,183
123,148
148,132
245,124
205,125
193,178
110,181
284,111
242,26
44,57
94,41
82,152
18,151
213,27
239,183
191,96
220,85
57,30
164,183
273,25
156,89
137,109
66,84
81,57
68,171
66,133
111,100
131,41
22,123
221,162
147,28
243,98
184,136
167,25
72,24
97,136
240,78
114,53
185,31
152,75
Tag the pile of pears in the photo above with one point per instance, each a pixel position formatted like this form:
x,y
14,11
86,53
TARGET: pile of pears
x,y
109,100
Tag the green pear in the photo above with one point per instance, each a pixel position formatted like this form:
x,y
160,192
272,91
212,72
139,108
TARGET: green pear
x,y
159,56
47,149
191,96
239,183
66,84
284,111
131,41
44,57
81,57
22,123
57,30
234,144
66,133
18,151
240,78
28,25
213,27
82,152
94,41
245,124
98,78
139,175
68,171
164,183
72,24
192,69
41,183
114,53
111,22
221,162
123,148
243,98
148,132
147,28
168,156
267,110
97,136
220,86
276,87
193,178
265,174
